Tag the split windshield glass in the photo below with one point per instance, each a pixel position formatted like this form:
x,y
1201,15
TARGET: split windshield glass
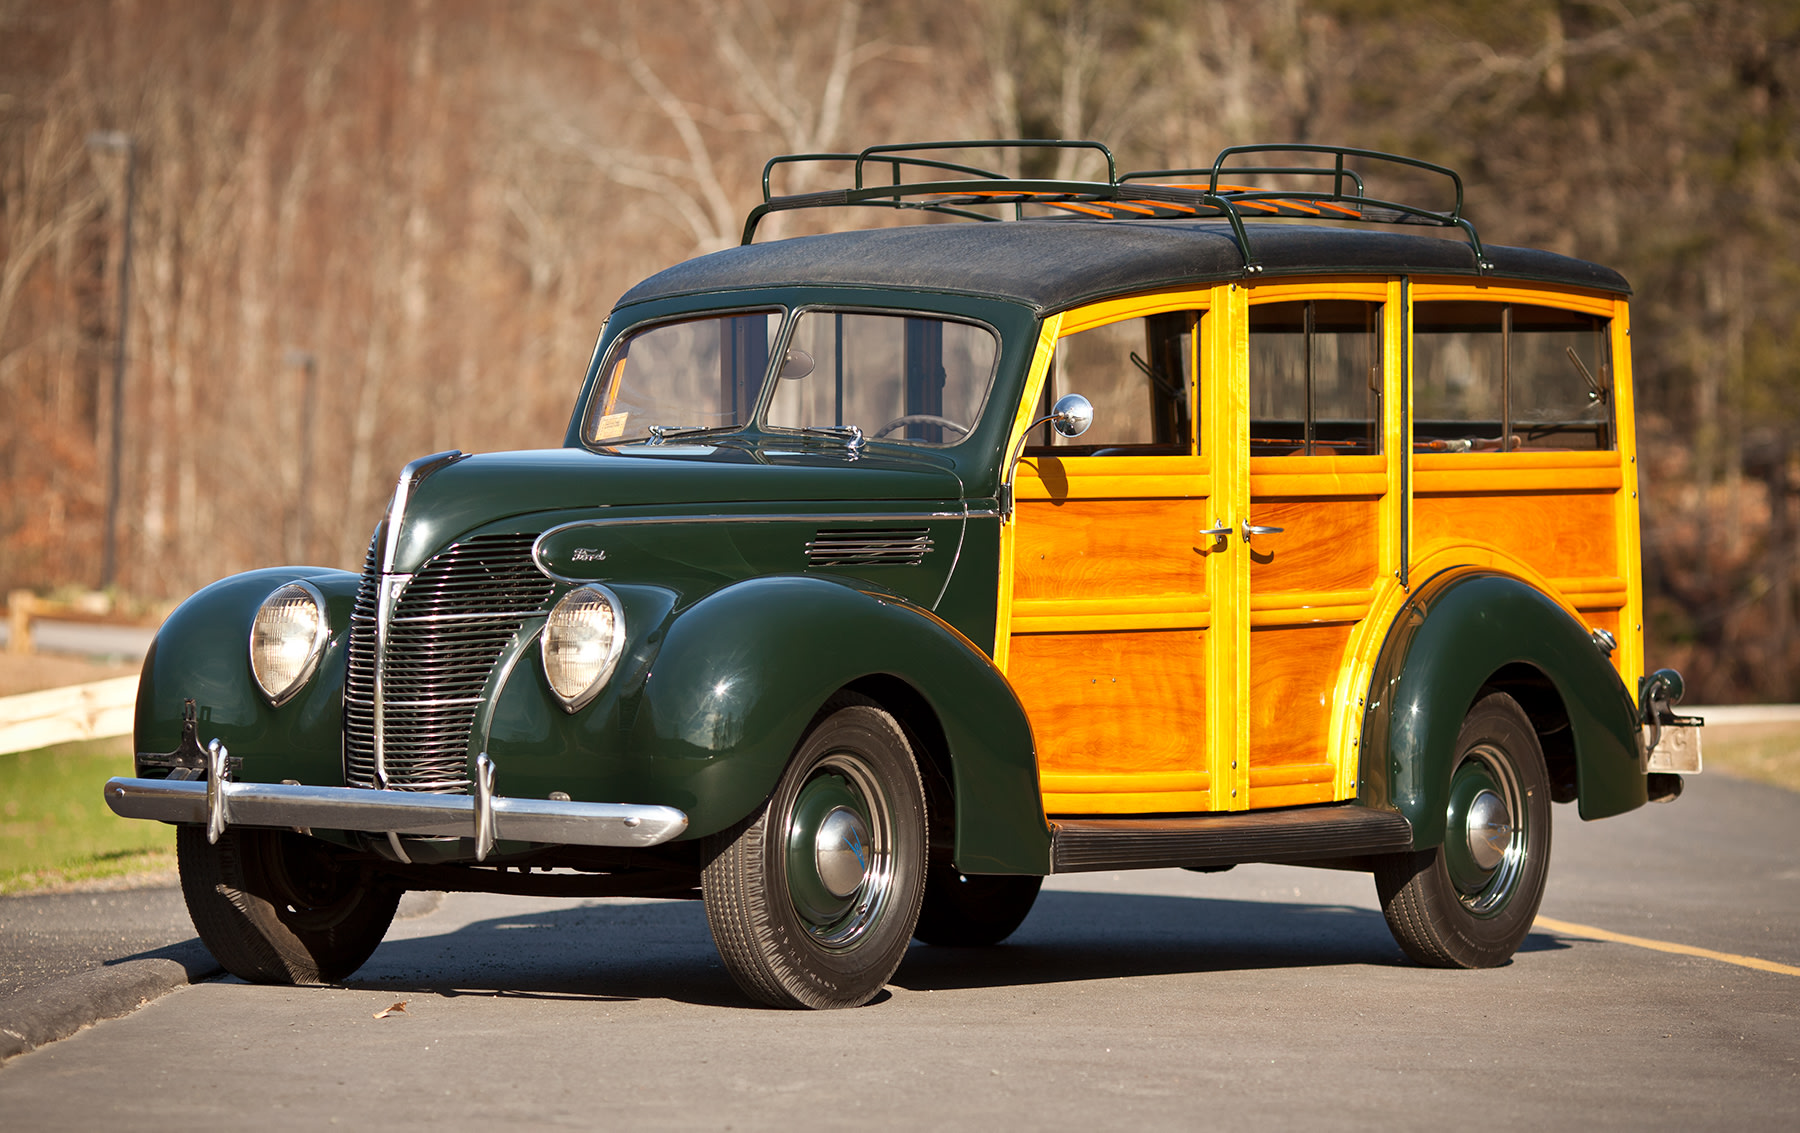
x,y
895,377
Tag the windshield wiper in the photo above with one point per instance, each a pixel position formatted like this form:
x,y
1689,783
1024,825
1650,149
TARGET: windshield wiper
x,y
661,433
850,434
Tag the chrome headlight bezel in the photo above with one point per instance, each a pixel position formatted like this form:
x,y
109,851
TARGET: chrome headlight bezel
x,y
315,645
554,635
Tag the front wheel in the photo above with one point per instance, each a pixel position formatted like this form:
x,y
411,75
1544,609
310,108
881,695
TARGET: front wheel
x,y
812,900
1469,902
275,907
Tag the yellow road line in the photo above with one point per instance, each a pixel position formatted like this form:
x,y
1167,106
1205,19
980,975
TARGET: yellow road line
x,y
1569,929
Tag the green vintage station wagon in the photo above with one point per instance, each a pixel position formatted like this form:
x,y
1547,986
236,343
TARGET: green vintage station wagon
x,y
1180,518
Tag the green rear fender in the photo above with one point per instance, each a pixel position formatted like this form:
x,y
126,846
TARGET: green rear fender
x,y
741,674
1459,632
202,653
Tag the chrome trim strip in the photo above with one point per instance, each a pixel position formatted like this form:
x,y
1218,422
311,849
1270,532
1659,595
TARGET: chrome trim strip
x,y
537,546
397,812
411,477
392,584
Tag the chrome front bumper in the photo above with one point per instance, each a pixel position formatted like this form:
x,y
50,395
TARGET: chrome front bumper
x,y
217,803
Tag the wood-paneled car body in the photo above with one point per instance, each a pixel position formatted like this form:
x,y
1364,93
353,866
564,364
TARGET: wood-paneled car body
x,y
884,572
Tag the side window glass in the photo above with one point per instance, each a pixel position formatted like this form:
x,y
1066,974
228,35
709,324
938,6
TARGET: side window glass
x,y
1139,374
1315,378
1559,380
1539,377
902,378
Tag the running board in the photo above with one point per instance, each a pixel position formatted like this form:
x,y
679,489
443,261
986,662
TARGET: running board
x,y
1300,834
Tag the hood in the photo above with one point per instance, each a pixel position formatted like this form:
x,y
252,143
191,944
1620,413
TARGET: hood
x,y
490,487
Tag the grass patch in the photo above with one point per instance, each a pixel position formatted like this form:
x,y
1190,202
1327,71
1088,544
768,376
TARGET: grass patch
x,y
1767,753
55,828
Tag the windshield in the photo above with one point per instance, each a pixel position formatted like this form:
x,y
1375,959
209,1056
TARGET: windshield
x,y
696,374
909,378
897,377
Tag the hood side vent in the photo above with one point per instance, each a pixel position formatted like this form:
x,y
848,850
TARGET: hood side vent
x,y
893,546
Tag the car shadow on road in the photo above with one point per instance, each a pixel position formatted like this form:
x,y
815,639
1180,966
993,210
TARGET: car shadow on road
x,y
663,949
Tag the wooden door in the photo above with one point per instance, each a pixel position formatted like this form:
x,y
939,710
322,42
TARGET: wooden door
x,y
1321,532
1110,612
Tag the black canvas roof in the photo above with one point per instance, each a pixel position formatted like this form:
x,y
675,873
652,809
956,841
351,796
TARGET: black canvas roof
x,y
1054,264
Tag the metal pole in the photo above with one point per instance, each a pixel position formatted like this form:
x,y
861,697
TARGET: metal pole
x,y
109,561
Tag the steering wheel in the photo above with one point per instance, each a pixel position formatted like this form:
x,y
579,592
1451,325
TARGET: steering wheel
x,y
919,419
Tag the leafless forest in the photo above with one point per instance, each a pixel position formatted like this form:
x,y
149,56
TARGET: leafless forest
x,y
361,231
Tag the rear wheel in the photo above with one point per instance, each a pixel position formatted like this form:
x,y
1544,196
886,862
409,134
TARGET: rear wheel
x,y
280,908
812,901
1469,902
973,910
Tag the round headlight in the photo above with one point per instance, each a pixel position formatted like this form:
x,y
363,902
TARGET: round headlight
x,y
286,639
581,644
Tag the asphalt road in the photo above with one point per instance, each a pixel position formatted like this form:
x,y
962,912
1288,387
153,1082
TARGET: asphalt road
x,y
1267,995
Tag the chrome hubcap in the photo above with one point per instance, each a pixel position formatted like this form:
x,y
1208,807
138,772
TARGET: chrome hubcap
x,y
1489,828
1487,838
841,851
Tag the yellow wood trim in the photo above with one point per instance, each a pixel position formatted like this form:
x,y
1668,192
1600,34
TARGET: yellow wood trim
x,y
1630,656
1602,593
1544,295
1022,418
1082,615
1302,599
1471,481
1147,802
1290,774
1113,477
1134,307
1366,485
1117,783
1497,462
1224,383
1343,287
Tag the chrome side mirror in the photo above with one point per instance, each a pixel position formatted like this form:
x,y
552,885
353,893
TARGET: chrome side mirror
x,y
1070,417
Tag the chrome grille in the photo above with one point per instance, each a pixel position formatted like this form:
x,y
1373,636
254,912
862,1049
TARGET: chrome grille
x,y
899,546
444,636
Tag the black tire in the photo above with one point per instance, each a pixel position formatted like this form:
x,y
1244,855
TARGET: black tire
x,y
280,908
799,915
973,910
1469,902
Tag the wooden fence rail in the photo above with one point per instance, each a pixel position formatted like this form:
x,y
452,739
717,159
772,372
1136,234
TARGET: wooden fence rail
x,y
94,711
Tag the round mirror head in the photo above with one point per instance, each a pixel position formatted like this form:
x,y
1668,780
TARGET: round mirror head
x,y
797,363
1072,415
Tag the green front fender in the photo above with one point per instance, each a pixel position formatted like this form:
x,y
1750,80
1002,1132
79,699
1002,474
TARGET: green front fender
x,y
741,674
1450,639
202,653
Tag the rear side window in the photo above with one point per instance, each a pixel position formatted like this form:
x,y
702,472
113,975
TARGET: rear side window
x,y
1491,377
1315,378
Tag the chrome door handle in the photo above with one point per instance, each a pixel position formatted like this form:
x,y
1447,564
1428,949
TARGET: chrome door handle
x,y
1221,535
1251,529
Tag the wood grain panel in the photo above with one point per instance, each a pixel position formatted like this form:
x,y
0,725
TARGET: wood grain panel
x,y
1121,705
1292,672
1116,548
1561,535
1324,545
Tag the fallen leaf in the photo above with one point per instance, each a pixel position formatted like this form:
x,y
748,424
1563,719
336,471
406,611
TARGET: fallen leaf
x,y
397,1009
